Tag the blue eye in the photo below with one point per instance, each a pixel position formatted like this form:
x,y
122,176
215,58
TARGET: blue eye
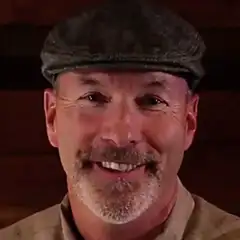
x,y
150,100
95,97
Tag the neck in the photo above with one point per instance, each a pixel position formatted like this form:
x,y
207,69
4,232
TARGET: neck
x,y
147,226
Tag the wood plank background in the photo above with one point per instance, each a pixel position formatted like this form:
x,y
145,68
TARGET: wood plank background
x,y
31,174
211,13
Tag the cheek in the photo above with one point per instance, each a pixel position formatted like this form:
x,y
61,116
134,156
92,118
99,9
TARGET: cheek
x,y
167,139
76,130
165,131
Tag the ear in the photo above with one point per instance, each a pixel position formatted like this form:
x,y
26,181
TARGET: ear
x,y
50,115
191,119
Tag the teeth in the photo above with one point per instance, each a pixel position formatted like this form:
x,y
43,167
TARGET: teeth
x,y
119,167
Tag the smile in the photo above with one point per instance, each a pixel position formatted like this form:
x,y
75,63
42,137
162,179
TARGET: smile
x,y
111,171
121,167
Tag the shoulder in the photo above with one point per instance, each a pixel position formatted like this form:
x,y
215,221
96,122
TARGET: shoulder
x,y
42,223
210,222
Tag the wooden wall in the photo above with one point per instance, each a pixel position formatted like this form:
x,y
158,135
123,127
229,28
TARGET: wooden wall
x,y
202,13
31,177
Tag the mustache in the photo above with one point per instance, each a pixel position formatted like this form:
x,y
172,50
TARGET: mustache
x,y
128,155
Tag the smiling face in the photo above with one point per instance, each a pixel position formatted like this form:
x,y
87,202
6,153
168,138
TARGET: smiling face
x,y
121,137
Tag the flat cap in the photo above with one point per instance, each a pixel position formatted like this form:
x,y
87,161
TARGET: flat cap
x,y
125,35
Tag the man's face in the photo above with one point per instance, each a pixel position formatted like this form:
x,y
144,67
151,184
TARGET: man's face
x,y
121,137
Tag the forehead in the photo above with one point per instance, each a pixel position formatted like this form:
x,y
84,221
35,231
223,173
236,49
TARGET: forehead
x,y
138,79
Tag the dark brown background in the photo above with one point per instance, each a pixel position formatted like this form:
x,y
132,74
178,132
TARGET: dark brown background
x,y
31,178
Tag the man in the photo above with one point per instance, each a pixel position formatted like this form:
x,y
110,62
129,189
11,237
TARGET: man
x,y
122,112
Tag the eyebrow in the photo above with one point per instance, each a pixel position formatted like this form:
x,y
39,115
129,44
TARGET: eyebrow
x,y
87,80
156,83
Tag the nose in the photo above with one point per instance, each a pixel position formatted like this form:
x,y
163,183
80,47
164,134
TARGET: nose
x,y
122,127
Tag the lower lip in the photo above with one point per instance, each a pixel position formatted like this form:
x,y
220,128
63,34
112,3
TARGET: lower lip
x,y
111,175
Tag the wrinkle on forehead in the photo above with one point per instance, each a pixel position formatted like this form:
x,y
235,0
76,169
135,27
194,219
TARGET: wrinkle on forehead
x,y
113,77
130,78
171,80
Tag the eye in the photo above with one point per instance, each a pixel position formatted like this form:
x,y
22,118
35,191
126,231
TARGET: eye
x,y
95,98
150,101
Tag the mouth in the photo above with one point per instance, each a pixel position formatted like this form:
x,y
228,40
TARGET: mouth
x,y
118,167
103,172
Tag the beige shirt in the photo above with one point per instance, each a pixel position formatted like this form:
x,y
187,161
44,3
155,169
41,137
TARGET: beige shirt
x,y
192,218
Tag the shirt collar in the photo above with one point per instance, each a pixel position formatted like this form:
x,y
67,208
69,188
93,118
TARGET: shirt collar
x,y
178,219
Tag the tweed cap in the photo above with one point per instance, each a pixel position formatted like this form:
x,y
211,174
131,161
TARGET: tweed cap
x,y
136,35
